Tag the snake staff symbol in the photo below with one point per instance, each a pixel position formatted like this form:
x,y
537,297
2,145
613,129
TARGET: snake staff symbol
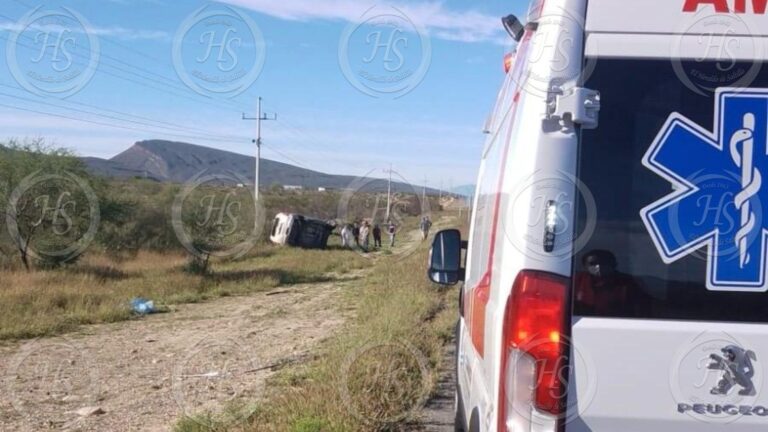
x,y
751,181
723,166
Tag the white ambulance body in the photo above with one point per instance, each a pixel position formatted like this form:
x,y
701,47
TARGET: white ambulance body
x,y
615,266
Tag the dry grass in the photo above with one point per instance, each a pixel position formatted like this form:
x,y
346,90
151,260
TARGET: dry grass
x,y
99,289
375,374
378,373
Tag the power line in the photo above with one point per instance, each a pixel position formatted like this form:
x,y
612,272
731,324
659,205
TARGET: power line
x,y
111,125
274,150
107,116
98,123
170,81
170,126
292,159
101,54
236,102
297,138
163,85
300,135
269,147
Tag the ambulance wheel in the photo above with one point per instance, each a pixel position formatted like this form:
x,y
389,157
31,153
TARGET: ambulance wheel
x,y
458,421
474,422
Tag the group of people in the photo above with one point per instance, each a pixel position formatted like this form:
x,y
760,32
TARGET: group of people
x,y
360,233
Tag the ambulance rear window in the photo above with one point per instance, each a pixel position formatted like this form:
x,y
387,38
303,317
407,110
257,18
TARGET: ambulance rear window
x,y
620,272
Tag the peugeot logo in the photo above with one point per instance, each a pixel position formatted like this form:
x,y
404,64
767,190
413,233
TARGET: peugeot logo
x,y
737,369
715,379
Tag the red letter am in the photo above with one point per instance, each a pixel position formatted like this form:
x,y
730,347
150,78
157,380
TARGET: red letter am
x,y
693,5
758,6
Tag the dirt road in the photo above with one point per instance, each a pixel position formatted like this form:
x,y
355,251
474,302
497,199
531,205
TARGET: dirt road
x,y
143,375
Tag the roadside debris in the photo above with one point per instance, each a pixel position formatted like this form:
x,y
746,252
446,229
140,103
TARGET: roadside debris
x,y
143,306
89,411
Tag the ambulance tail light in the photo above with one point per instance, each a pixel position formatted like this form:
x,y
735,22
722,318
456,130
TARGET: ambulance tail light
x,y
509,61
534,353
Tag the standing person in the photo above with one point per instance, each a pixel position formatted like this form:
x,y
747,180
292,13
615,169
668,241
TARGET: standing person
x,y
356,234
391,229
425,225
364,233
346,234
376,236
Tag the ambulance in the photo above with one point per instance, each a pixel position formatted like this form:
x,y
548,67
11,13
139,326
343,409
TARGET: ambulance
x,y
613,274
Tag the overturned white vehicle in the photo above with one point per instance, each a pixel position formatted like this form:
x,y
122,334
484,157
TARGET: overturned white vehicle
x,y
300,231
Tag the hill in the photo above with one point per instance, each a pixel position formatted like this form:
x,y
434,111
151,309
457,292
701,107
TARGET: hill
x,y
168,161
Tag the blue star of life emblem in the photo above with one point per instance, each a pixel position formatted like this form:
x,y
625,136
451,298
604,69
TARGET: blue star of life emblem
x,y
717,182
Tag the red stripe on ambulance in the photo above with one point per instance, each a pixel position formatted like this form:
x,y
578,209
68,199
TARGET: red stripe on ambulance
x,y
481,293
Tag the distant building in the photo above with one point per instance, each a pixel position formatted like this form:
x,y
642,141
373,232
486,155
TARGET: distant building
x,y
321,189
293,187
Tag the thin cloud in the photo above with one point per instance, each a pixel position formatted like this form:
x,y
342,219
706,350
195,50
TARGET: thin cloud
x,y
439,21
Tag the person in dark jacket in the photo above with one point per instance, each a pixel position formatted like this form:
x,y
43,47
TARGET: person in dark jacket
x,y
376,236
356,233
602,290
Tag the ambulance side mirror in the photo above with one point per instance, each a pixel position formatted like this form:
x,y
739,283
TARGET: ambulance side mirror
x,y
514,27
445,266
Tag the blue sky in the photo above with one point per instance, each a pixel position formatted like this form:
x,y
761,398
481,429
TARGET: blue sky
x,y
427,126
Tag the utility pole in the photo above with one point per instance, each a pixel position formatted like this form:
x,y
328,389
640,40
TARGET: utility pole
x,y
389,191
259,118
303,181
424,192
